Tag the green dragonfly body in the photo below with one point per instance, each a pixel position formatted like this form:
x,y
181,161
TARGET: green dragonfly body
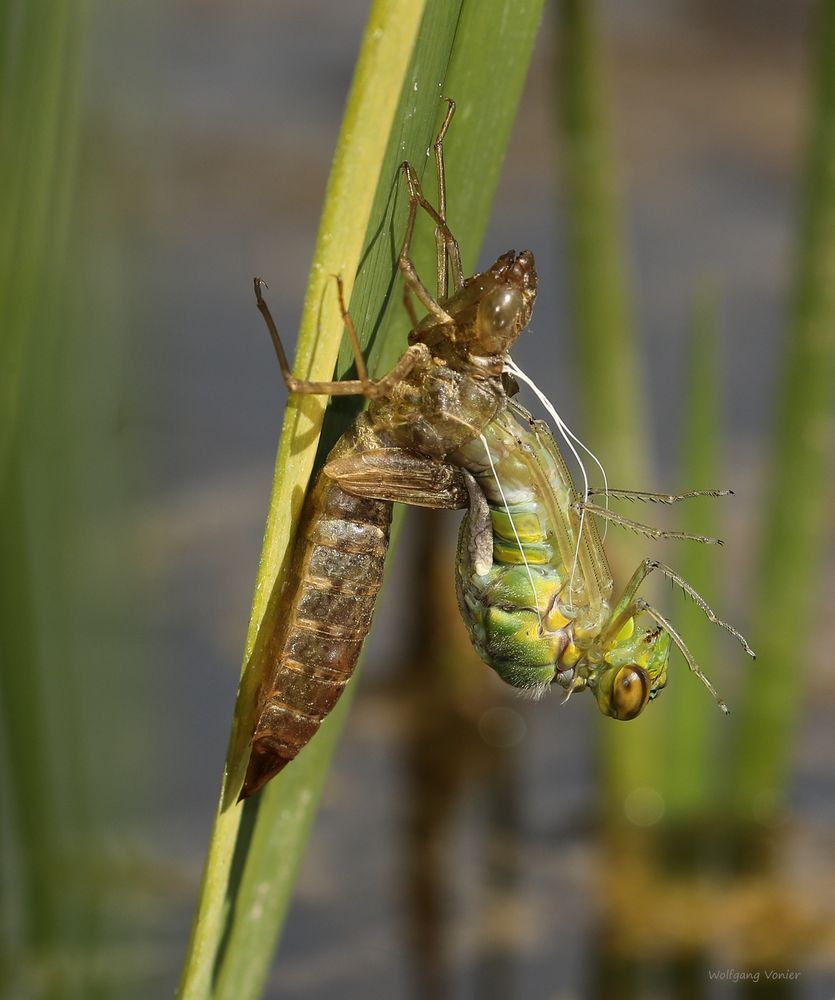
x,y
534,584
442,430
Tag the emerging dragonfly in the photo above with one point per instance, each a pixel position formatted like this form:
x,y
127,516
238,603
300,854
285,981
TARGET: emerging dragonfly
x,y
441,430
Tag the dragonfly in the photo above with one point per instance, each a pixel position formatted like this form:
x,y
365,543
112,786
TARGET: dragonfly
x,y
442,429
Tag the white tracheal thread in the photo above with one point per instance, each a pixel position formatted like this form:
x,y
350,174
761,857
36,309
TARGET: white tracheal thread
x,y
568,436
513,525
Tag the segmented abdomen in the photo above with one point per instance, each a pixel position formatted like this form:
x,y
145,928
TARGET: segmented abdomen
x,y
325,615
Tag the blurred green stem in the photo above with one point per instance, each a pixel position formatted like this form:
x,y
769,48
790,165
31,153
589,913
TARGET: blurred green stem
x,y
614,413
603,332
796,521
688,770
48,905
42,49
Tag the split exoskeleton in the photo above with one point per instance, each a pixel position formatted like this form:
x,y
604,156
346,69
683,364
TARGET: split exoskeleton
x,y
441,430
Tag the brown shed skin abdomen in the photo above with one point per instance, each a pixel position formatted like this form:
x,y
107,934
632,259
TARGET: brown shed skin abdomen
x,y
334,581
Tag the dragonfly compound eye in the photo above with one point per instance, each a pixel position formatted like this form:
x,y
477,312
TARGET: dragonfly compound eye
x,y
630,692
499,315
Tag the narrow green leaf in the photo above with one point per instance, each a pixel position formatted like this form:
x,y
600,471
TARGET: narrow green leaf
x,y
391,31
412,55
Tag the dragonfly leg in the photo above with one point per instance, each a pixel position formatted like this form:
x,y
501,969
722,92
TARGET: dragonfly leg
x,y
625,608
702,603
448,249
478,526
640,606
350,387
409,306
657,497
410,276
643,529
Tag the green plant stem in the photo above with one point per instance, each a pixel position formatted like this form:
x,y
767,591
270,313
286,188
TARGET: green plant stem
x,y
38,100
800,485
47,906
690,714
614,420
412,54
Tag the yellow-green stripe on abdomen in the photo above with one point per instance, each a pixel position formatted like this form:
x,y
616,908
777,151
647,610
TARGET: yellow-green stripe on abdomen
x,y
508,608
527,543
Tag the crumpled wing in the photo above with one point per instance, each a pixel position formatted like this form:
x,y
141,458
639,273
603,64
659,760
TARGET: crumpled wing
x,y
400,476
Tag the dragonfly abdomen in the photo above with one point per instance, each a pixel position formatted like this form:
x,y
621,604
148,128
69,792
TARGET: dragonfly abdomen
x,y
511,610
336,576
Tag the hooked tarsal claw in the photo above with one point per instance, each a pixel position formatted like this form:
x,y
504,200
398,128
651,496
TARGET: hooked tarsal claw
x,y
575,685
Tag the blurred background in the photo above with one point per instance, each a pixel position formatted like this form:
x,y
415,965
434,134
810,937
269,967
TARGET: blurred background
x,y
469,844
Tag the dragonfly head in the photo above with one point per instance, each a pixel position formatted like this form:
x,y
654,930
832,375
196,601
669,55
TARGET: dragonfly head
x,y
488,313
505,305
633,671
